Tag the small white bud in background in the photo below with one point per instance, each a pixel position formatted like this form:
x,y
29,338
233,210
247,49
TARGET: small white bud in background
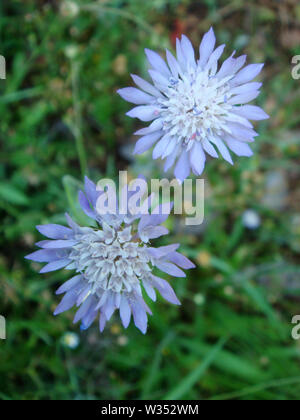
x,y
71,51
251,219
70,340
69,9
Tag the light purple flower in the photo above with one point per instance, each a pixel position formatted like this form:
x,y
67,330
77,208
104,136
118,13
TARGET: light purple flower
x,y
113,262
196,106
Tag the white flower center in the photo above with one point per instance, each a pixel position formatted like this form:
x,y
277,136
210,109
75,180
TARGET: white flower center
x,y
110,260
196,106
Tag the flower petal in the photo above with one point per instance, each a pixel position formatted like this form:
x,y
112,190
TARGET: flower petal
x,y
212,64
239,148
144,112
188,51
197,159
182,168
180,55
59,244
82,311
55,231
55,265
161,146
242,133
157,62
149,290
206,47
173,64
146,86
247,74
209,148
165,290
91,191
244,98
125,311
135,96
85,205
222,149
156,125
169,268
180,260
67,302
47,255
146,142
252,112
69,284
160,81
139,316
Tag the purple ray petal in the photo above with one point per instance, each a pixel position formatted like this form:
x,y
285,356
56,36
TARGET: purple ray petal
x,y
55,265
165,290
244,98
68,285
85,205
214,58
180,260
109,307
125,311
47,255
91,191
209,148
161,146
247,74
146,86
139,316
135,96
174,66
182,168
67,302
222,149
248,87
151,232
55,231
144,143
197,159
162,251
206,47
156,125
159,80
144,113
157,62
149,290
74,226
188,51
239,148
252,112
82,311
60,243
180,56
102,322
242,133
89,318
170,269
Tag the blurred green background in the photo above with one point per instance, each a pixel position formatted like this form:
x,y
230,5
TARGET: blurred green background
x,y
231,339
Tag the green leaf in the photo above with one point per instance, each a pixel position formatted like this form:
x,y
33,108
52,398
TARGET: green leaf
x,y
190,380
12,195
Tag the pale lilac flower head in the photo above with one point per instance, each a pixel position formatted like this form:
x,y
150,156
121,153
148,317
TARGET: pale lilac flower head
x,y
197,107
113,262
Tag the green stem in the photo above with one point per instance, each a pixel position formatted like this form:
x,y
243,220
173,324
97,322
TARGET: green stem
x,y
78,119
123,13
